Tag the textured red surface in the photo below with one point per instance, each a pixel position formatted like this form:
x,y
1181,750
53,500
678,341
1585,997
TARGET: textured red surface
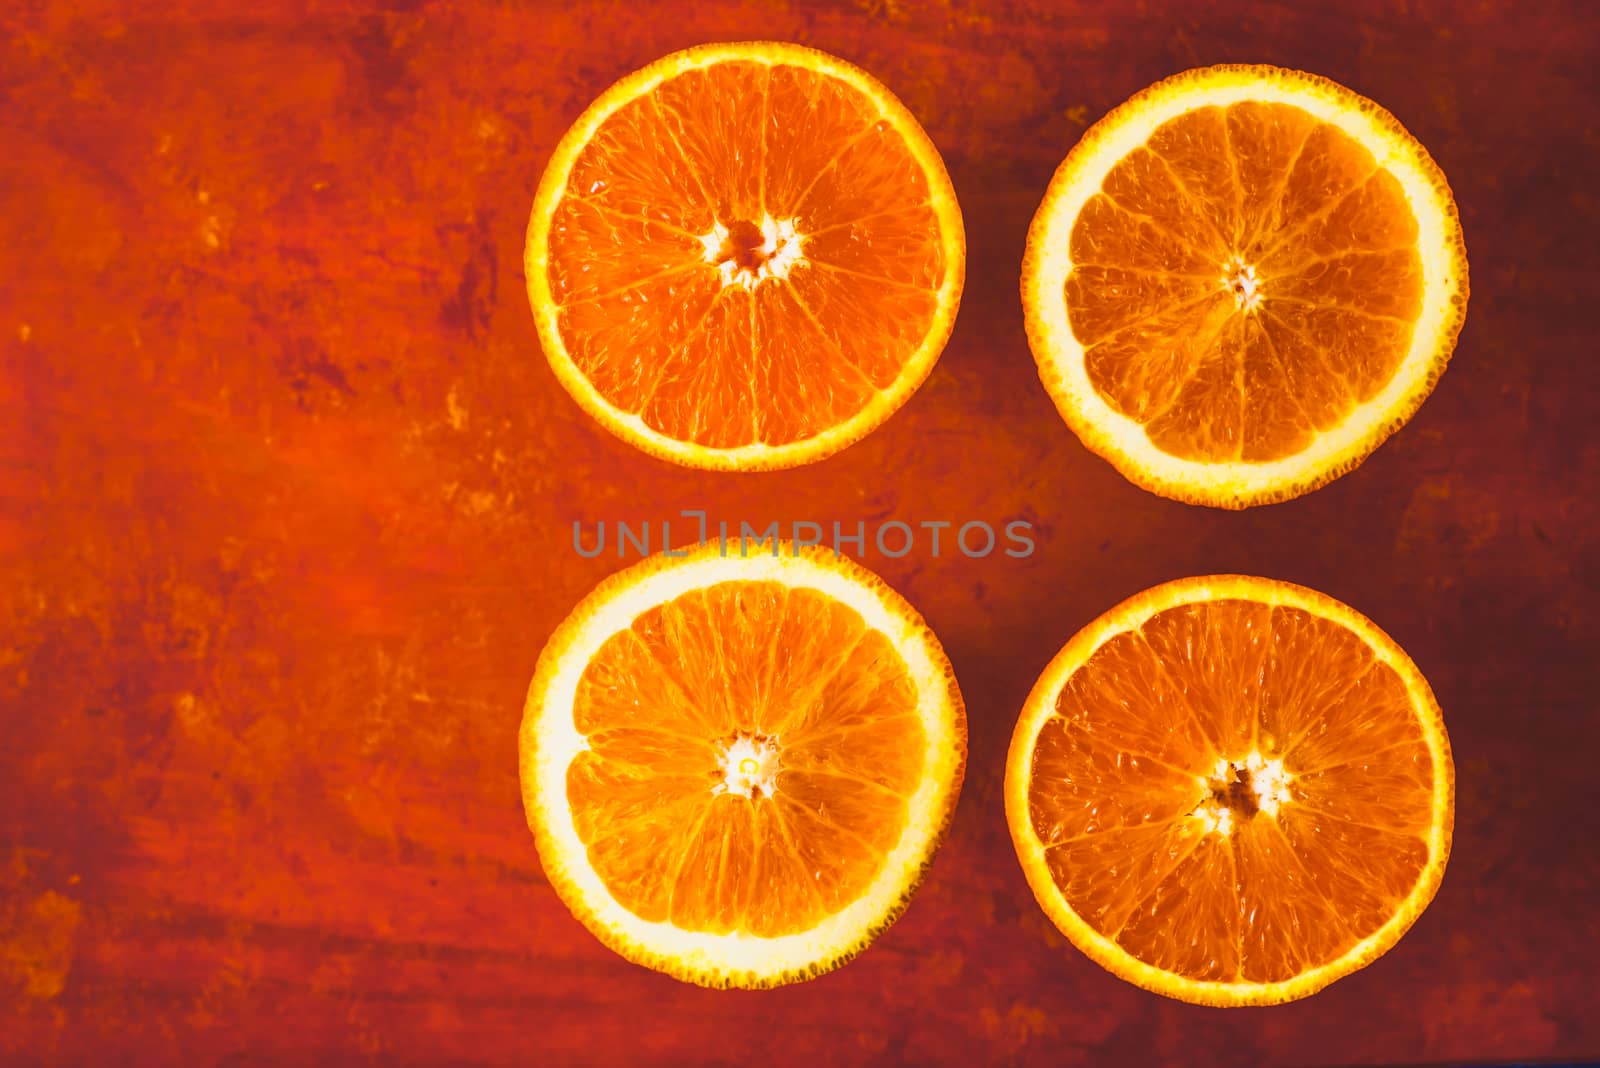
x,y
287,493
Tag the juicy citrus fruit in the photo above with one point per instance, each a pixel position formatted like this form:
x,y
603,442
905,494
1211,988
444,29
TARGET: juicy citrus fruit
x,y
1241,281
1231,791
737,768
744,256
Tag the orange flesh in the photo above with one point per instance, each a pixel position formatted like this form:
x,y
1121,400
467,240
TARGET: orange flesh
x,y
651,323
659,704
1131,755
1220,363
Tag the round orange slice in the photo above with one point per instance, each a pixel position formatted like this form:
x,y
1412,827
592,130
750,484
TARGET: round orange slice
x,y
1241,281
1231,791
737,768
744,256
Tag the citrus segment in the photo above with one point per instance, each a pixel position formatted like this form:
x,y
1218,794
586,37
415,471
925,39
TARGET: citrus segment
x,y
1231,790
737,767
744,256
1241,281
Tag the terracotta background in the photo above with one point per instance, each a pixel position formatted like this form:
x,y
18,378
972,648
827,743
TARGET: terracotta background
x,y
286,493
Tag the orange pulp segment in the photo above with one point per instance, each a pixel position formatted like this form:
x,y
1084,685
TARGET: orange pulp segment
x,y
1227,211
685,713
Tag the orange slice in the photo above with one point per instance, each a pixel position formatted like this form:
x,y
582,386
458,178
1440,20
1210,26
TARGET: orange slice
x,y
737,768
1241,281
744,256
1231,791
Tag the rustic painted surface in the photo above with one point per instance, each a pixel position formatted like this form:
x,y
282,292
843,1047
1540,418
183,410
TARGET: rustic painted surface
x,y
285,503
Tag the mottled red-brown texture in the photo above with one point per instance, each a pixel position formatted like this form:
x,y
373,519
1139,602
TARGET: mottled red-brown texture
x,y
286,496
